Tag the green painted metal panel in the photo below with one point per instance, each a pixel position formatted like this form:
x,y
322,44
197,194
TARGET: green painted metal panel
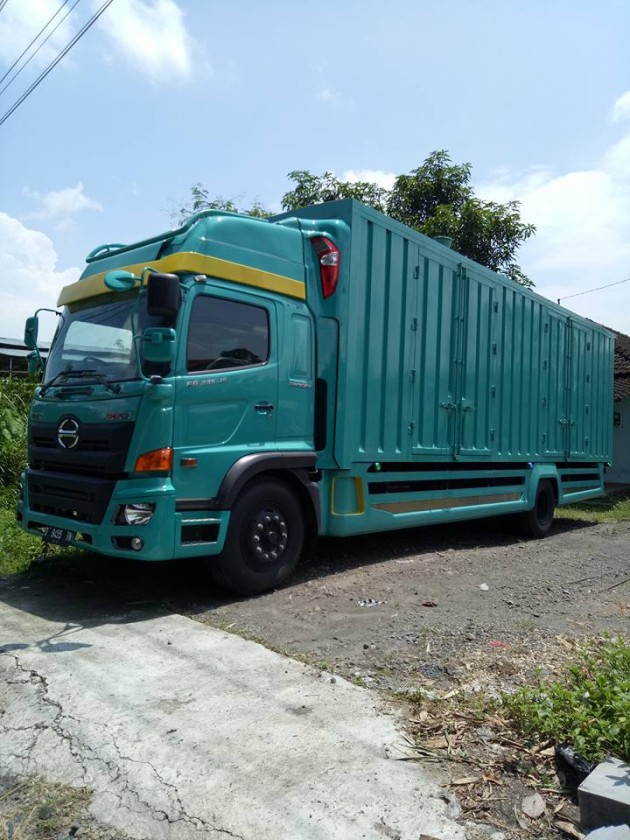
x,y
440,358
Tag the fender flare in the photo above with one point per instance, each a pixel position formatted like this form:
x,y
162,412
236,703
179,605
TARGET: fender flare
x,y
299,464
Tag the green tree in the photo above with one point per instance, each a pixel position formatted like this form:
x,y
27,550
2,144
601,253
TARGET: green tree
x,y
317,189
438,200
200,200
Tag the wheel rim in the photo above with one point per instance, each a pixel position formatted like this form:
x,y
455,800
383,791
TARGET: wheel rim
x,y
267,537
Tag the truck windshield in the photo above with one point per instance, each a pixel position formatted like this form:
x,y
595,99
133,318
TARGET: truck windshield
x,y
98,340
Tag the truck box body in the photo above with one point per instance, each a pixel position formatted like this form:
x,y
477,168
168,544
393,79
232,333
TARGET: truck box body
x,y
444,362
370,378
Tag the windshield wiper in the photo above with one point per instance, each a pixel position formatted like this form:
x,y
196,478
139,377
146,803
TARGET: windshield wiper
x,y
80,374
55,378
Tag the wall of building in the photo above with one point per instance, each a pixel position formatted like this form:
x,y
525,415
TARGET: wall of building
x,y
620,472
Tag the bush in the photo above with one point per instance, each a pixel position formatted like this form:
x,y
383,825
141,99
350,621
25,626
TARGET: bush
x,y
590,709
15,398
17,548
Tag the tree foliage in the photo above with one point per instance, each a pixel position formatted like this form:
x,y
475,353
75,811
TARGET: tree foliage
x,y
317,189
200,200
436,198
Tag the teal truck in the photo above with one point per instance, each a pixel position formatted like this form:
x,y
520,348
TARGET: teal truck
x,y
236,387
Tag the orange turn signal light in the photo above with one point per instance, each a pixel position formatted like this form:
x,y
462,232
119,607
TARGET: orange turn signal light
x,y
158,460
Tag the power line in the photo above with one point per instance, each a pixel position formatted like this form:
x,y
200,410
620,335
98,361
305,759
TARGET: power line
x,y
588,291
3,3
31,57
56,61
19,58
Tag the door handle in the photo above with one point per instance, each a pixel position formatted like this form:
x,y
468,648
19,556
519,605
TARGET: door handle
x,y
264,408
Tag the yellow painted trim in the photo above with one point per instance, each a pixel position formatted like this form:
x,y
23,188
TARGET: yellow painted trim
x,y
360,497
442,504
189,262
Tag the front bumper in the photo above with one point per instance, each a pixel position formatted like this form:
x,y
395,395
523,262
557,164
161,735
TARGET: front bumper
x,y
169,534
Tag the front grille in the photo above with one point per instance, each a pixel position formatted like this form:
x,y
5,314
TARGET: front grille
x,y
101,450
76,483
71,497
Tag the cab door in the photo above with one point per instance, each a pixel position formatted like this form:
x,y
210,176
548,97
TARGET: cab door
x,y
226,401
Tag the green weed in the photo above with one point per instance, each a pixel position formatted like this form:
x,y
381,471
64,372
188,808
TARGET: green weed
x,y
15,397
590,708
612,508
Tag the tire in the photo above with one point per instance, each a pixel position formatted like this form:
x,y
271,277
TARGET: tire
x,y
266,520
537,522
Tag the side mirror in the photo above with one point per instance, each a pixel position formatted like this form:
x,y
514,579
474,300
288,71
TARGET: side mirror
x,y
158,344
120,281
31,329
163,296
34,362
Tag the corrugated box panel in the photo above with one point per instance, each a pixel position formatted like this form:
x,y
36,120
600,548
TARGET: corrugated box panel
x,y
441,358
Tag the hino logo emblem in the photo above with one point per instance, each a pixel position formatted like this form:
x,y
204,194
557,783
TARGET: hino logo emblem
x,y
68,433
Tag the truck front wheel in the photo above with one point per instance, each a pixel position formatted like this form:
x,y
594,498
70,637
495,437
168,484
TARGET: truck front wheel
x,y
264,541
537,522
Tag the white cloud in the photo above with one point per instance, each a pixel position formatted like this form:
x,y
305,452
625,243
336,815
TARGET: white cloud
x,y
582,242
333,98
31,278
152,36
19,24
60,207
376,176
621,108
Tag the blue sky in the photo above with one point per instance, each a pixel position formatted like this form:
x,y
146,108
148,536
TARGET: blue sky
x,y
160,94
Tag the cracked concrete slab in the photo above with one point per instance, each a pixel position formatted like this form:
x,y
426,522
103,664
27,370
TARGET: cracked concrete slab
x,y
184,731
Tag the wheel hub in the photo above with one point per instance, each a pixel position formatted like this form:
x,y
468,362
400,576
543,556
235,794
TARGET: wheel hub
x,y
269,536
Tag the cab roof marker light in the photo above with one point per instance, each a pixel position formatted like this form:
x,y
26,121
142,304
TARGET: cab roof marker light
x,y
329,260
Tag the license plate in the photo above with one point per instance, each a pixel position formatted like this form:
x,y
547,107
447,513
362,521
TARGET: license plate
x,y
59,536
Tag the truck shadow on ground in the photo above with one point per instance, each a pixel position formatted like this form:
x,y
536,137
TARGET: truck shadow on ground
x,y
78,589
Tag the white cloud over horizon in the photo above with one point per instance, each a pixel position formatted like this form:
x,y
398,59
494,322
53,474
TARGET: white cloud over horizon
x,y
32,279
621,108
582,219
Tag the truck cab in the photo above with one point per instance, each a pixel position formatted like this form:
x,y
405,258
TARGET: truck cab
x,y
178,394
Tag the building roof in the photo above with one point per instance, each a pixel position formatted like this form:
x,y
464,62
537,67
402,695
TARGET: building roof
x,y
16,348
622,365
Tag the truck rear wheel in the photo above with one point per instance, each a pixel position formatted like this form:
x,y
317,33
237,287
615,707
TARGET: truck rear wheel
x,y
537,522
264,541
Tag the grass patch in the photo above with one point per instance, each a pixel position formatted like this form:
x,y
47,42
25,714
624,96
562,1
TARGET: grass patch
x,y
35,809
17,548
589,708
32,809
611,508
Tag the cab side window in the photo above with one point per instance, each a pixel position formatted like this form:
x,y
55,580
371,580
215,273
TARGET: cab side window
x,y
226,334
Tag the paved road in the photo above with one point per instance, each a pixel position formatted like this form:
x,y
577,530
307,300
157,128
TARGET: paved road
x,y
184,731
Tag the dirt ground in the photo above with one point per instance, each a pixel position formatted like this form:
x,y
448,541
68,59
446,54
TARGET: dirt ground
x,y
468,607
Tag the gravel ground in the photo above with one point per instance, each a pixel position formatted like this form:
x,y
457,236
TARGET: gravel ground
x,y
435,609
400,608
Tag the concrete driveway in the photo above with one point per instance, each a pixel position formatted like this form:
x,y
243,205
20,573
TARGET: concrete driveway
x,y
184,731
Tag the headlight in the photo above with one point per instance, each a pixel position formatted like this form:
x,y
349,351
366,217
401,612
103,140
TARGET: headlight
x,y
138,514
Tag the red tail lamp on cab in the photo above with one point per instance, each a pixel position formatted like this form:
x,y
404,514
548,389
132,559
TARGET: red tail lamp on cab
x,y
329,258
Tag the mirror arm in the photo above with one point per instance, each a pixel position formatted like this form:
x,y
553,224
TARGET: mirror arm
x,y
35,349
